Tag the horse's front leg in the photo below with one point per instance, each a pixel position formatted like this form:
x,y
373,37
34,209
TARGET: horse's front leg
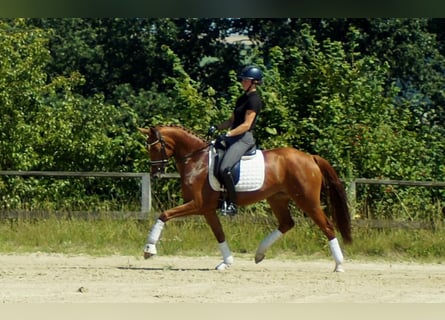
x,y
152,239
215,224
155,233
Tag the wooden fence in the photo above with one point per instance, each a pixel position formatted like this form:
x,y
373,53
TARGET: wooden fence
x,y
146,200
352,186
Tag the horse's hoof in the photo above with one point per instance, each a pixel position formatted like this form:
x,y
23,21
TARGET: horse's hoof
x,y
222,266
339,268
149,251
147,255
259,257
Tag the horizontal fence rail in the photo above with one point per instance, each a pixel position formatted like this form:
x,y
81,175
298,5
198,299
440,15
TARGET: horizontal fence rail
x,y
74,174
146,192
400,182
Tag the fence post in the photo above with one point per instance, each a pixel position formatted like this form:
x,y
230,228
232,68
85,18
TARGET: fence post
x,y
352,195
146,194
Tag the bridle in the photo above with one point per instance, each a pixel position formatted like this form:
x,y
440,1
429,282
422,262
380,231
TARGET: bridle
x,y
161,164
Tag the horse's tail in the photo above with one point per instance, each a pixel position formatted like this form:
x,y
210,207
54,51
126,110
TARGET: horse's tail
x,y
337,199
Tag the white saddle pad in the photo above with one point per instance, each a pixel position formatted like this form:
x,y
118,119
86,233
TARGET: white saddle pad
x,y
251,173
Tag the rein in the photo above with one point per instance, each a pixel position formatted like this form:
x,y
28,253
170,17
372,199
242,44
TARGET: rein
x,y
191,154
161,163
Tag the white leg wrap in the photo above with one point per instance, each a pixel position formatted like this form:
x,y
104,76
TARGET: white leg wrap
x,y
226,253
266,243
336,254
155,232
227,256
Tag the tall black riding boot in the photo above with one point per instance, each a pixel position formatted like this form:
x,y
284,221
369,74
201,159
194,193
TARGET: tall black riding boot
x,y
229,206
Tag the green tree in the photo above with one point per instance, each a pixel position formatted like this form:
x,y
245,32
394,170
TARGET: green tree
x,y
47,125
23,54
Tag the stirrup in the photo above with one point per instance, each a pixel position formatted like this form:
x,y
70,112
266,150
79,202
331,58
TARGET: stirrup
x,y
228,209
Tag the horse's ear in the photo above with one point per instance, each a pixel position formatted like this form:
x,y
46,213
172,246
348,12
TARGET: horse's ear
x,y
144,131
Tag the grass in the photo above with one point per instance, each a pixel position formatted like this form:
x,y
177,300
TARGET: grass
x,y
191,236
101,236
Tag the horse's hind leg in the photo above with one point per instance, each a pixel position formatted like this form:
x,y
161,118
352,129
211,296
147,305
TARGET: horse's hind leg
x,y
326,226
215,224
280,207
313,210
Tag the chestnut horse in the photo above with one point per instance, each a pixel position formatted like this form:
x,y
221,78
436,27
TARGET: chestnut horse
x,y
290,174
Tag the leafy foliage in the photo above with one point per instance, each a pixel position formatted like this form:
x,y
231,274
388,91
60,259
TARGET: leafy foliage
x,y
366,94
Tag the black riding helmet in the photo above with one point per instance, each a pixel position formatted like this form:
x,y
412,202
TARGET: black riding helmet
x,y
253,73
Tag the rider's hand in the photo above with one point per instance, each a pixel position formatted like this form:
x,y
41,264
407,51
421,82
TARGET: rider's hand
x,y
221,140
211,131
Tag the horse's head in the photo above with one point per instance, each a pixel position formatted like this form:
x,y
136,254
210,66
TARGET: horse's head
x,y
160,150
164,142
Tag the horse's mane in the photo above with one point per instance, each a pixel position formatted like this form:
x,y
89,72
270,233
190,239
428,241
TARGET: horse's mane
x,y
184,129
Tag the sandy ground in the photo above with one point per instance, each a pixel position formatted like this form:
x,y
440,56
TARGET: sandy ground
x,y
54,278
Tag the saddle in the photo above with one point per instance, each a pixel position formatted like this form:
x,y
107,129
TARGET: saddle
x,y
248,173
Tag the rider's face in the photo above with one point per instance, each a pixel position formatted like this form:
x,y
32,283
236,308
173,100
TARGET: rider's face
x,y
246,83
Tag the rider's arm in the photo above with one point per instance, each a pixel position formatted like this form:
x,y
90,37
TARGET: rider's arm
x,y
245,126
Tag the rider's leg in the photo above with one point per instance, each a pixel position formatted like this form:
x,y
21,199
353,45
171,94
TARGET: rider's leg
x,y
231,193
237,148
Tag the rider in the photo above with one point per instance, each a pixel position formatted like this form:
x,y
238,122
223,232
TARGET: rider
x,y
239,138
